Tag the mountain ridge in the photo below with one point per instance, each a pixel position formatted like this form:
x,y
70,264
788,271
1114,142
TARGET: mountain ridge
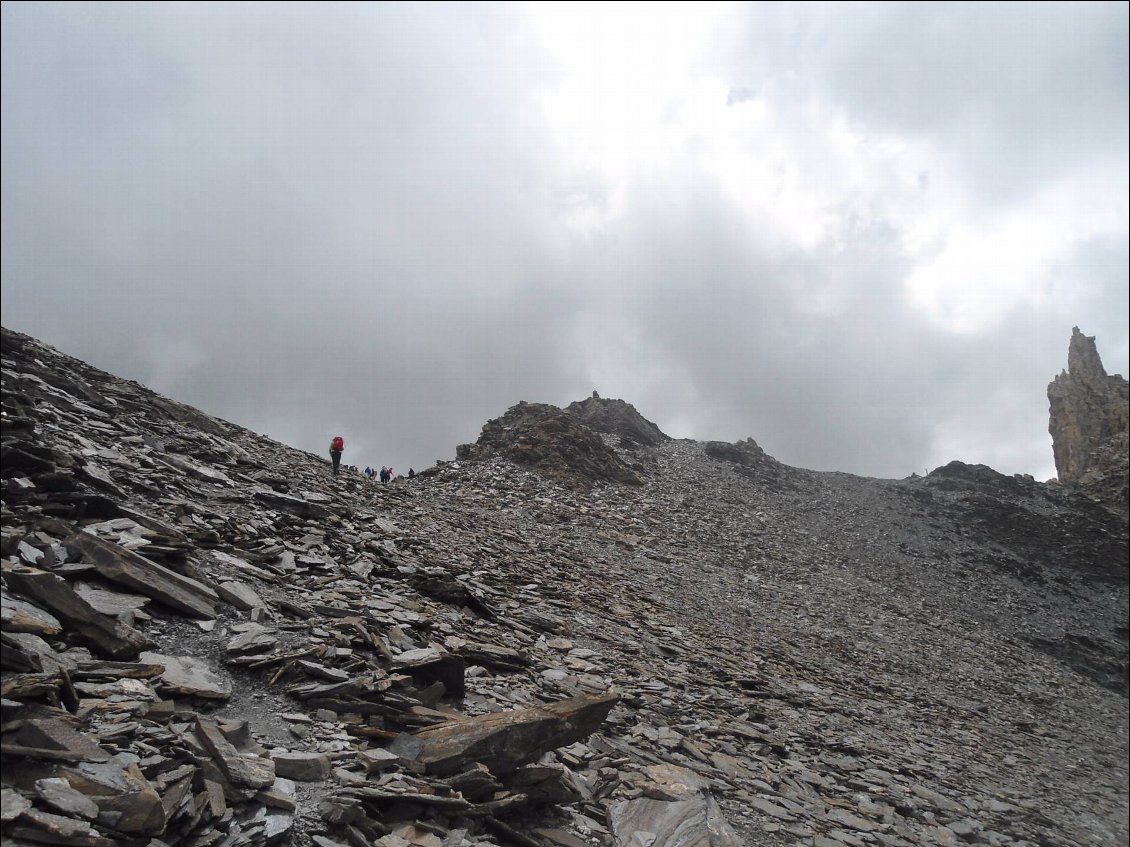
x,y
817,658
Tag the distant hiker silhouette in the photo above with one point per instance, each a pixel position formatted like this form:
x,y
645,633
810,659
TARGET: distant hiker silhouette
x,y
336,446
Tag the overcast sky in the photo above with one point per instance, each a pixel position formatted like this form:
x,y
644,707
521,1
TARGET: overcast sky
x,y
859,234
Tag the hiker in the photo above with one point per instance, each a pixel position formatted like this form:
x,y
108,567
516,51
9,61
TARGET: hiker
x,y
411,473
336,446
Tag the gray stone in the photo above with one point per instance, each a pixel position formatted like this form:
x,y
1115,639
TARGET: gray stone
x,y
241,770
120,565
111,603
505,740
58,794
18,615
300,766
694,822
119,787
189,676
239,594
12,804
253,639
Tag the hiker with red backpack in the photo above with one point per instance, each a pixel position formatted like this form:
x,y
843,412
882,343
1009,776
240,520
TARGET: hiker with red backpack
x,y
336,446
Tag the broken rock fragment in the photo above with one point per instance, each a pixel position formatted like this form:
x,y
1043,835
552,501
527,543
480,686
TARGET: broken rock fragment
x,y
241,770
118,787
109,637
505,740
190,677
301,767
54,739
166,586
21,616
58,794
676,811
239,594
12,804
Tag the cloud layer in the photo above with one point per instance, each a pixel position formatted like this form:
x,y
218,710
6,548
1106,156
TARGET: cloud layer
x,y
860,235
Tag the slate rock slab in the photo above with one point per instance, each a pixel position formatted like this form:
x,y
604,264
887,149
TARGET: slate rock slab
x,y
504,741
190,677
166,586
694,822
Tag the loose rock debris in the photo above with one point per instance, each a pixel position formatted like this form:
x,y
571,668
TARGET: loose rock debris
x,y
209,640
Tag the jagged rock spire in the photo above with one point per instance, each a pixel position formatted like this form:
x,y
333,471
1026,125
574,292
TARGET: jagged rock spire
x,y
1083,359
1088,423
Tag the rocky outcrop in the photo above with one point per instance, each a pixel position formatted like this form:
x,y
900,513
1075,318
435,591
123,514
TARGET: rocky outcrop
x,y
1089,414
733,652
749,460
553,442
617,417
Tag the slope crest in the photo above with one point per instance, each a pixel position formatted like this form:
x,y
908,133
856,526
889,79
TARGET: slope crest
x,y
553,442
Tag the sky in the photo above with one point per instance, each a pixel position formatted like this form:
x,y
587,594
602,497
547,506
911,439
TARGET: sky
x,y
859,234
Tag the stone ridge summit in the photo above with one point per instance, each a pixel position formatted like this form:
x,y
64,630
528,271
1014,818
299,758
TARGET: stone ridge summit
x,y
580,633
566,444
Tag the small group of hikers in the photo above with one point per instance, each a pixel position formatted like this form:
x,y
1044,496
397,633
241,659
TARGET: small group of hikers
x,y
386,475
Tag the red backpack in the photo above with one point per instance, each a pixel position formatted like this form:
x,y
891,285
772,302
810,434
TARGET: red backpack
x,y
338,443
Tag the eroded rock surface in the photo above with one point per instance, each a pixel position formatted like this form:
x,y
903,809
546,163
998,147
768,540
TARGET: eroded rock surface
x,y
775,656
617,417
555,442
1089,424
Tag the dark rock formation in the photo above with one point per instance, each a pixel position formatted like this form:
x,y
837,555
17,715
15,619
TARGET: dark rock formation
x,y
1089,414
795,657
553,442
1010,519
749,460
617,417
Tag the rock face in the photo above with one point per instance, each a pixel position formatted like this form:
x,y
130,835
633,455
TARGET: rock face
x,y
749,460
554,442
1089,413
732,651
617,417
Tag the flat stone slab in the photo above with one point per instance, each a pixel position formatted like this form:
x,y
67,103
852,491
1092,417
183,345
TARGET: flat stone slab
x,y
676,810
52,735
111,638
504,741
253,639
694,822
111,603
188,676
301,767
12,804
239,594
18,615
58,794
127,568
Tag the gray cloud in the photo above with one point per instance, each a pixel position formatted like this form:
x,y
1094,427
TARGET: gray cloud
x,y
355,219
1017,93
